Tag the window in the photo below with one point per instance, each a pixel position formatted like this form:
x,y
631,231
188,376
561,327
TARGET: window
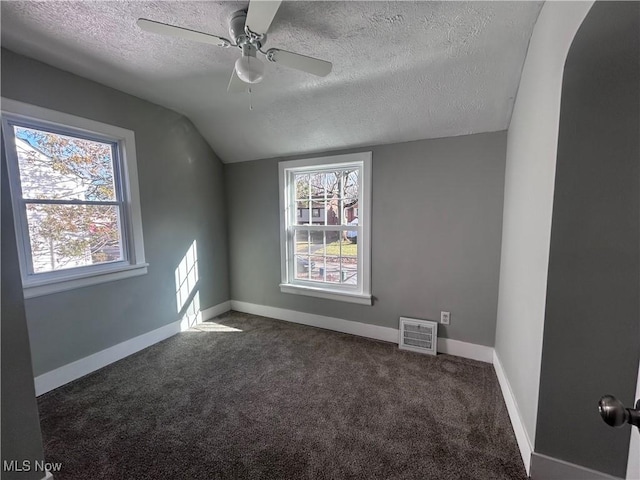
x,y
75,199
327,254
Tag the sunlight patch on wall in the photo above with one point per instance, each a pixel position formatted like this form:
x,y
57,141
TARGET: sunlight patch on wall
x,y
186,288
192,316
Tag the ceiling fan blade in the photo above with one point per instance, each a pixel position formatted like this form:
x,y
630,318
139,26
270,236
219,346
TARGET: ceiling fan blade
x,y
311,65
236,85
260,15
165,29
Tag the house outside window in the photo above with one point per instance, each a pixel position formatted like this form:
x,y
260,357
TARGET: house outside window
x,y
75,199
328,253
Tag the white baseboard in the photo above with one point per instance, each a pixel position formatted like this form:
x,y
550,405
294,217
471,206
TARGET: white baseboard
x,y
445,345
482,353
216,310
330,323
74,370
550,468
522,437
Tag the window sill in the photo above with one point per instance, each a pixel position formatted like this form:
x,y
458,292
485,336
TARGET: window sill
x,y
38,288
323,293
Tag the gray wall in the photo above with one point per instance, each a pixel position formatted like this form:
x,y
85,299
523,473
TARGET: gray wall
x,y
528,204
592,326
182,199
436,225
21,438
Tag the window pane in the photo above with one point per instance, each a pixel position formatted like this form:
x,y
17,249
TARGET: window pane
x,y
301,239
67,236
303,267
316,241
301,183
54,166
350,198
315,264
333,185
332,273
318,268
302,212
350,188
350,259
317,186
329,212
350,216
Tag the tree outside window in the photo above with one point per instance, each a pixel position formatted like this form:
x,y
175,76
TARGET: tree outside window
x,y
71,199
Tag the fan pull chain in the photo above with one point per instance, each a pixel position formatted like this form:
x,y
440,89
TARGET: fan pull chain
x,y
250,100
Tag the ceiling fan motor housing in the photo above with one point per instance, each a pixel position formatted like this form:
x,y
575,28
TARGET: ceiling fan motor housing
x,y
236,25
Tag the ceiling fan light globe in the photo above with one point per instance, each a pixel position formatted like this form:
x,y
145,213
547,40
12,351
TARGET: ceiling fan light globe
x,y
250,69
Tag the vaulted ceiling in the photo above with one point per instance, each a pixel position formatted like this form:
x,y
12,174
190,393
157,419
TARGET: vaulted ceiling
x,y
401,70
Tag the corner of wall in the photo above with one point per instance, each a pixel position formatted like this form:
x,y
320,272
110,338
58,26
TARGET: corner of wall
x,y
528,202
522,437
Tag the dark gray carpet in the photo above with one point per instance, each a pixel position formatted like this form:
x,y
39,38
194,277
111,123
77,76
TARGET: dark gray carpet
x,y
280,401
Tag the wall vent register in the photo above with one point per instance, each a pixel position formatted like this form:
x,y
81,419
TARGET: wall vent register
x,y
418,335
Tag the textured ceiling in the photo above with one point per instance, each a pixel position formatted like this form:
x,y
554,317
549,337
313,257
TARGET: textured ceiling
x,y
401,70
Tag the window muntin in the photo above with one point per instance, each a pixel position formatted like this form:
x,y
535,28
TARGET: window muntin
x,y
323,247
75,199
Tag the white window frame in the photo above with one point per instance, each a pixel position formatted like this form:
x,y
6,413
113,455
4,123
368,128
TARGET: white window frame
x,y
45,283
288,213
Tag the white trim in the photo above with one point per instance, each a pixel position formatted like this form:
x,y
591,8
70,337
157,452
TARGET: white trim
x,y
282,200
337,324
39,114
326,293
473,351
74,370
445,345
216,310
314,163
544,467
360,294
365,196
84,280
522,437
34,284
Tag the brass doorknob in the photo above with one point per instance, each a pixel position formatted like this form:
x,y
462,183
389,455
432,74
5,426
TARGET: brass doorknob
x,y
615,414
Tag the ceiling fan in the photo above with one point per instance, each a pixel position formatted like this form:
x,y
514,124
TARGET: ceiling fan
x,y
248,30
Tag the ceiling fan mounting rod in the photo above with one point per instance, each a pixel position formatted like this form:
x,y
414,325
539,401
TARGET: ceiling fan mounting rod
x,y
243,41
248,49
241,34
